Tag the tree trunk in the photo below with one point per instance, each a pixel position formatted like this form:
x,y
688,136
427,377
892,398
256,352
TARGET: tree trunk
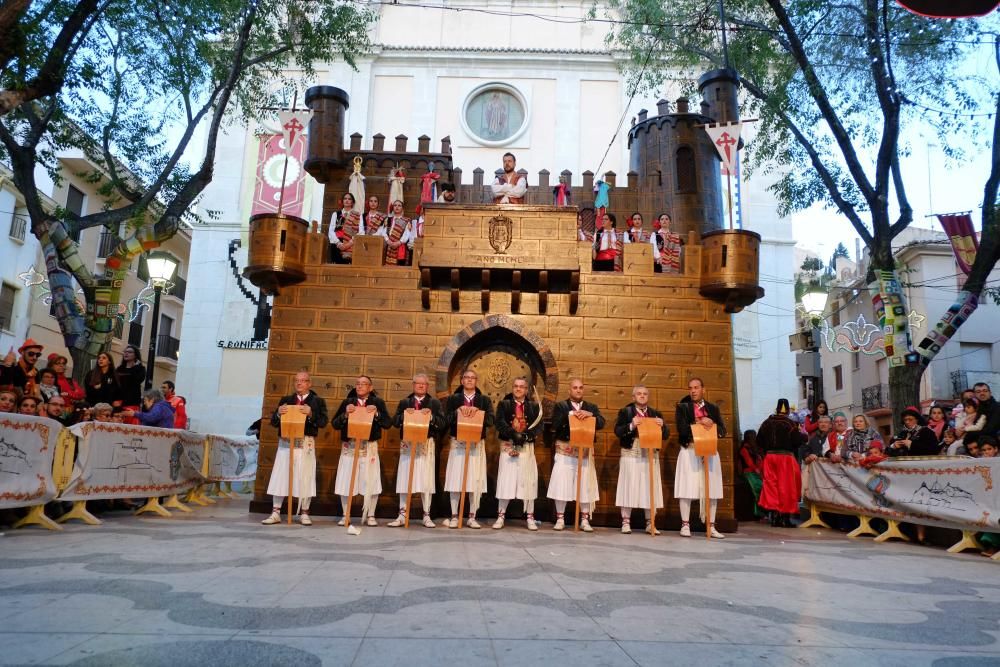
x,y
904,391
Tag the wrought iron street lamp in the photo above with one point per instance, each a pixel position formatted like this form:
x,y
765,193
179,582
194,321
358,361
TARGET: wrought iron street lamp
x,y
161,266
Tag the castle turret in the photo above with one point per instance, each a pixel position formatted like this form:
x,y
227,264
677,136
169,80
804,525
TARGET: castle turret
x,y
326,130
676,160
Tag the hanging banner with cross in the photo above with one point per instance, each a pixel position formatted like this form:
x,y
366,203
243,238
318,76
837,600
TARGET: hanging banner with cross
x,y
726,137
293,124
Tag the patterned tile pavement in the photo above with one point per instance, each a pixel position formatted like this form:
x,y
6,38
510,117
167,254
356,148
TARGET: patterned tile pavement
x,y
216,588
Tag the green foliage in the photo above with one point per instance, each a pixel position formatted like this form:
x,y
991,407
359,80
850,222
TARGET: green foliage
x,y
150,71
130,85
812,264
831,84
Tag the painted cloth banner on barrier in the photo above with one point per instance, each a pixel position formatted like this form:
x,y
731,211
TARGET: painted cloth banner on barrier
x,y
27,445
233,458
951,492
126,461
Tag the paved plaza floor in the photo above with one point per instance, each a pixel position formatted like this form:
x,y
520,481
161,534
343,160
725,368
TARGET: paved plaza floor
x,y
216,588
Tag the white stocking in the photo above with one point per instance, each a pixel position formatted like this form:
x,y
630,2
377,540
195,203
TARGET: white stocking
x,y
685,509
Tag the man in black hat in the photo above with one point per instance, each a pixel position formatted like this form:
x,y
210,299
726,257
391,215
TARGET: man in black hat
x,y
447,195
780,438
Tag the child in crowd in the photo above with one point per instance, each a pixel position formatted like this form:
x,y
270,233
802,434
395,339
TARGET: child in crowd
x,y
873,456
970,421
950,444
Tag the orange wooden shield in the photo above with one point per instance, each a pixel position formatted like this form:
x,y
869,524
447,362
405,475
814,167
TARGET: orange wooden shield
x,y
416,425
581,431
706,440
359,423
470,429
293,424
650,434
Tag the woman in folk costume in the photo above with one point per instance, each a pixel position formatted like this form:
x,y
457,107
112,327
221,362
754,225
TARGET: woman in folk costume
x,y
670,249
780,438
633,468
607,244
562,482
466,396
373,217
424,470
304,474
689,476
636,234
345,224
369,476
518,423
396,231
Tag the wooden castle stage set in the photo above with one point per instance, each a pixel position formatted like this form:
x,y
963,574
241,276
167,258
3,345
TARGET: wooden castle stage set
x,y
508,290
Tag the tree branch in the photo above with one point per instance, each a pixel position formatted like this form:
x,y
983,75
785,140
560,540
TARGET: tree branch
x,y
50,76
828,180
818,92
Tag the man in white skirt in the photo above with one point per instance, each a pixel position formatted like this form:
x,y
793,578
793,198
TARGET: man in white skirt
x,y
465,397
518,425
369,477
562,483
689,478
633,467
304,474
424,472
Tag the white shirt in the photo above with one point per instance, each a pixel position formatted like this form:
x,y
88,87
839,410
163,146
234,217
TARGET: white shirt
x,y
505,190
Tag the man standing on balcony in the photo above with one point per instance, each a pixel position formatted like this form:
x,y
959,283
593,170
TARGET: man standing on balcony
x,y
176,402
510,186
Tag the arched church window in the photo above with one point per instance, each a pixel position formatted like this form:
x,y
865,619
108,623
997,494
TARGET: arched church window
x,y
685,170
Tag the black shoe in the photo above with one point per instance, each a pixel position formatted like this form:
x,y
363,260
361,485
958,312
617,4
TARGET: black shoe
x,y
775,520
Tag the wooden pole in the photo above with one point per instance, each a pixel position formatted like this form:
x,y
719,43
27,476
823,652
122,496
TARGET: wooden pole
x,y
354,477
465,477
291,477
707,506
579,474
652,495
729,196
409,484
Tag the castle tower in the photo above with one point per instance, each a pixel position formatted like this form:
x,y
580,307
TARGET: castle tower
x,y
677,164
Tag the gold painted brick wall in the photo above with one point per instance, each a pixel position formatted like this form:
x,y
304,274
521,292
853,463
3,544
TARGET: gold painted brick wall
x,y
629,328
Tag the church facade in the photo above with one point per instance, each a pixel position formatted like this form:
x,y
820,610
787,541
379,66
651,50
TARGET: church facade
x,y
480,83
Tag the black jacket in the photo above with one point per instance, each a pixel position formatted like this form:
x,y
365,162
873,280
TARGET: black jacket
x,y
778,433
102,387
560,418
684,417
627,436
457,400
505,421
130,381
923,442
429,402
814,445
382,417
314,422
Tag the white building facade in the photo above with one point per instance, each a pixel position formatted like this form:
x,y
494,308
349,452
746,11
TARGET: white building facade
x,y
428,64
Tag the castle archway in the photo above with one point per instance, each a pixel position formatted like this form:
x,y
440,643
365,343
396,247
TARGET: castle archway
x,y
499,349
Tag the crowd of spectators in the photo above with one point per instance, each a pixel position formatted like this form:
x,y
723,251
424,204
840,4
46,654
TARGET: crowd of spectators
x,y
109,393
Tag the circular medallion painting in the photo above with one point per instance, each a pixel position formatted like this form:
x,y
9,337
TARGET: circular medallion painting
x,y
495,114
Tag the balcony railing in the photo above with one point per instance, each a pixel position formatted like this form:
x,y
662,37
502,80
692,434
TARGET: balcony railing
x,y
18,227
179,288
167,346
875,397
962,380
